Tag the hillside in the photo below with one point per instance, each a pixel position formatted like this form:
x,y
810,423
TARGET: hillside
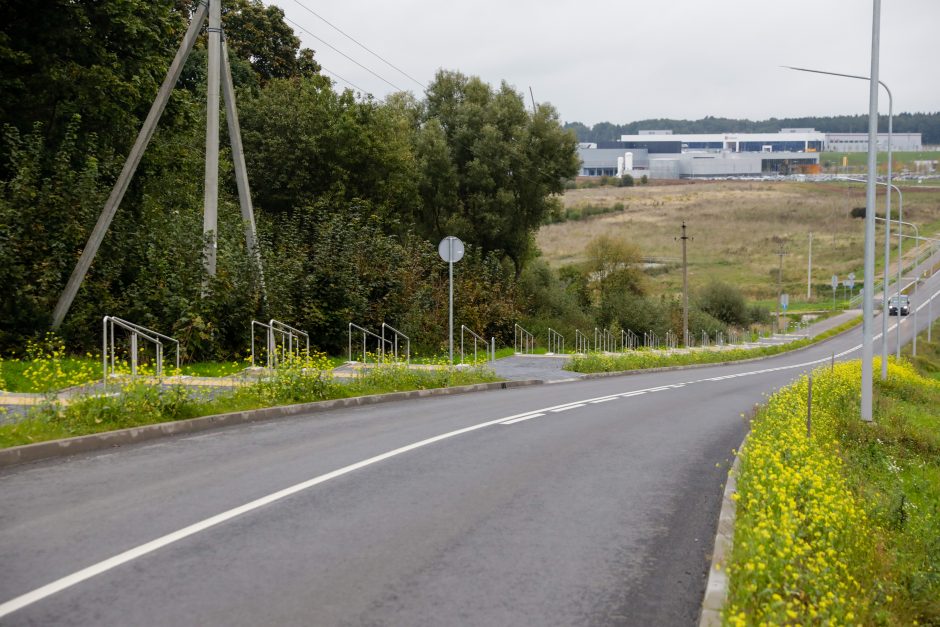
x,y
737,227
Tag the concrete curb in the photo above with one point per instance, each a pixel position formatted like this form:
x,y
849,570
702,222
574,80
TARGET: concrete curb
x,y
716,588
99,441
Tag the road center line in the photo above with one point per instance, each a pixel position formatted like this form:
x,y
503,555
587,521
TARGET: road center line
x,y
104,566
515,420
566,408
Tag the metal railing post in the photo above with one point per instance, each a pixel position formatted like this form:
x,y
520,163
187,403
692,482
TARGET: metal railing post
x,y
476,340
104,351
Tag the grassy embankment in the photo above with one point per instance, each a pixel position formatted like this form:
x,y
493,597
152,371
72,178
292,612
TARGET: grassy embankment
x,y
842,526
640,360
738,227
900,160
294,381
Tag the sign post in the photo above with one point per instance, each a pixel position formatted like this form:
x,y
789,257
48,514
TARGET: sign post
x,y
835,285
451,250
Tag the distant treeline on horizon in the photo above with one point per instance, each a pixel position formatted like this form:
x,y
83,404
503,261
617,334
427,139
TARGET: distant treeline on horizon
x,y
927,124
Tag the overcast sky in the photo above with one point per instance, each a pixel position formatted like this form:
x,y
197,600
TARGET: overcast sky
x,y
626,61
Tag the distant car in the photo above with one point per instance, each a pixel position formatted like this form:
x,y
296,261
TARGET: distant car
x,y
893,306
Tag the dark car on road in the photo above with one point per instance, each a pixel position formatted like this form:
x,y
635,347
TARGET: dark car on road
x,y
894,305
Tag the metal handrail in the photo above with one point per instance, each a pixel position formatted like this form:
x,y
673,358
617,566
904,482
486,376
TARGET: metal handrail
x,y
604,340
109,322
396,336
270,342
522,339
556,341
476,337
581,343
292,332
629,338
365,332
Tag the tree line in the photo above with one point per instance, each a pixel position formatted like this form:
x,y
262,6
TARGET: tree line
x,y
351,194
928,124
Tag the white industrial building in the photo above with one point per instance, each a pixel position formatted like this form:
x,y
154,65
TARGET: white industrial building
x,y
858,142
788,140
664,155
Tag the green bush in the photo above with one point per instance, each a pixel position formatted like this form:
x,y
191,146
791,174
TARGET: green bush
x,y
724,302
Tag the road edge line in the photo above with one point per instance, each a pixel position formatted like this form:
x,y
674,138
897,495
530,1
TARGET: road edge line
x,y
716,586
49,449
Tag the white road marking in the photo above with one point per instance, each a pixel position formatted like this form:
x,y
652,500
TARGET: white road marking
x,y
566,408
604,400
104,566
515,420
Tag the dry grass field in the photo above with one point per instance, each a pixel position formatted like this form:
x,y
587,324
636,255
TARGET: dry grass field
x,y
738,227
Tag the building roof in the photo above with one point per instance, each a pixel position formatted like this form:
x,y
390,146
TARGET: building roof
x,y
814,136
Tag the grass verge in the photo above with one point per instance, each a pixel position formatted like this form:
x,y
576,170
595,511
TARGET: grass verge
x,y
296,381
842,526
641,360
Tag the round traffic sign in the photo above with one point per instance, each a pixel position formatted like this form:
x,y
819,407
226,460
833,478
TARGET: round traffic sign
x,y
450,249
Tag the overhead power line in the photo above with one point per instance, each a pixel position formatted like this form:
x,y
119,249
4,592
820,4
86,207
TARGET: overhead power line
x,y
382,78
337,50
348,82
362,45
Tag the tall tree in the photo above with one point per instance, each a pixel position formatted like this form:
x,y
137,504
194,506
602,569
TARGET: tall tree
x,y
102,61
260,35
304,141
507,162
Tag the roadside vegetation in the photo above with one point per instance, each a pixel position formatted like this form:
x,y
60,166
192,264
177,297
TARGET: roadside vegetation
x,y
133,403
643,359
842,526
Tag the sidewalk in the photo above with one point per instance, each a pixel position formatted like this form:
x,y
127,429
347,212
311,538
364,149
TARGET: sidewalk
x,y
548,368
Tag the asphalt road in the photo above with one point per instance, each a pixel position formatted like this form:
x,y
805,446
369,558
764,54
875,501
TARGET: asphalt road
x,y
580,503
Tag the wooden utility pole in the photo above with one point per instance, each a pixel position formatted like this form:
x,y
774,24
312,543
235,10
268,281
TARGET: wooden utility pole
x,y
809,269
685,287
781,254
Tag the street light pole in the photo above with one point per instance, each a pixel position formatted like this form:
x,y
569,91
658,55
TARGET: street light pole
x,y
867,301
887,196
887,220
917,238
